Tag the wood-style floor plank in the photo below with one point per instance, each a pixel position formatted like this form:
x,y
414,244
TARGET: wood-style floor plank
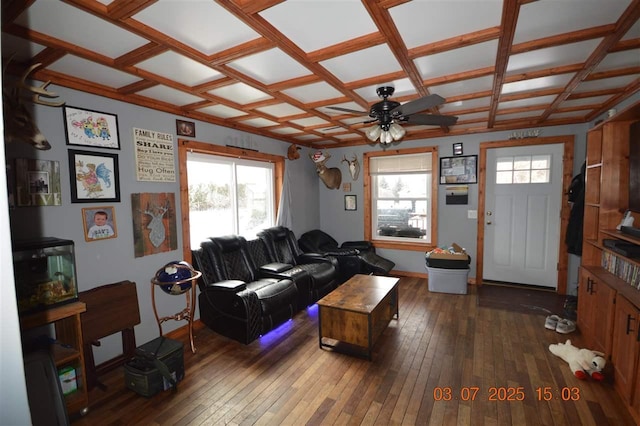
x,y
425,367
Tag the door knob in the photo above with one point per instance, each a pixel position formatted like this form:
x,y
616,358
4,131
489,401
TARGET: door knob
x,y
489,213
488,222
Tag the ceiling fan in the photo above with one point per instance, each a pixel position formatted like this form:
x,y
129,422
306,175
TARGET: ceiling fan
x,y
388,114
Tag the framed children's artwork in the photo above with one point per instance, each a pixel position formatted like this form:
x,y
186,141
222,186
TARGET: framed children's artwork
x,y
86,127
93,176
350,202
461,169
186,128
99,223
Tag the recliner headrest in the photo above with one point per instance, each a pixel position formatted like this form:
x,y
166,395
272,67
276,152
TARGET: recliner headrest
x,y
228,242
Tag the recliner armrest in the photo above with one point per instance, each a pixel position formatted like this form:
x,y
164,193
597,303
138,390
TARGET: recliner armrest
x,y
275,267
360,245
232,286
343,252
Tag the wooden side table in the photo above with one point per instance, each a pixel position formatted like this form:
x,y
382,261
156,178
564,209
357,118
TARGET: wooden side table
x,y
185,314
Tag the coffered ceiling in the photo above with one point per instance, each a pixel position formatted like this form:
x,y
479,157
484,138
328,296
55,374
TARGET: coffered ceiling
x,y
273,67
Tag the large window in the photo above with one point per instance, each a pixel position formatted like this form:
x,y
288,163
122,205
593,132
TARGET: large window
x,y
402,197
227,194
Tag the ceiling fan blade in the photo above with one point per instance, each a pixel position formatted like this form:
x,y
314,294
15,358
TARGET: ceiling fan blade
x,y
351,111
418,105
431,120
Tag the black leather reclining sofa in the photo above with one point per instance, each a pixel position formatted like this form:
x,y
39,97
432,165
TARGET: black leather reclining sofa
x,y
246,289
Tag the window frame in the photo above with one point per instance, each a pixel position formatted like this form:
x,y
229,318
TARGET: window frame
x,y
368,185
185,145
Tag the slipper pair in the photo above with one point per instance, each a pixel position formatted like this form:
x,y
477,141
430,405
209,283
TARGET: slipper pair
x,y
561,325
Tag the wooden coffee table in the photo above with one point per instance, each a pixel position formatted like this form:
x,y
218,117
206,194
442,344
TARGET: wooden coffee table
x,y
357,312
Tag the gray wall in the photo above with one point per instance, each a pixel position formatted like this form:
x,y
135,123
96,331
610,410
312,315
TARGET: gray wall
x,y
113,260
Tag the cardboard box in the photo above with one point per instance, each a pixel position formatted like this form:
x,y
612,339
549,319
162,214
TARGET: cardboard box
x,y
68,380
457,260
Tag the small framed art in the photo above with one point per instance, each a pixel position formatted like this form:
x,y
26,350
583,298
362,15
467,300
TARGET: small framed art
x,y
457,149
99,223
186,128
86,127
93,176
350,202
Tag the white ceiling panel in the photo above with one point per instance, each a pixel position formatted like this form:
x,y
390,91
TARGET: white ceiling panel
x,y
280,110
93,72
200,32
240,93
376,60
634,32
545,18
179,68
259,122
472,85
467,58
616,60
349,105
170,95
527,102
286,131
595,100
313,92
311,121
87,31
316,26
571,114
424,22
474,116
222,111
527,114
566,54
270,67
463,105
606,83
537,83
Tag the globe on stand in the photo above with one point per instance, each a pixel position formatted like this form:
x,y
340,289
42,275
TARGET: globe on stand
x,y
175,277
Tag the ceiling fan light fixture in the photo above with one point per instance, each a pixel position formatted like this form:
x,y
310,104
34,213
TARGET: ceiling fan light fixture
x,y
397,131
373,132
385,137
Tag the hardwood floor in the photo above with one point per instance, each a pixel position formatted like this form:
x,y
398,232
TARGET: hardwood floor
x,y
440,342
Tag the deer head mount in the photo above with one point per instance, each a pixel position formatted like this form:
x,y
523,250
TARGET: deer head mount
x,y
331,177
19,124
354,166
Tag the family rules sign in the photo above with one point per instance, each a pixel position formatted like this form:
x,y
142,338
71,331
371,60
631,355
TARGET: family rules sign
x,y
154,156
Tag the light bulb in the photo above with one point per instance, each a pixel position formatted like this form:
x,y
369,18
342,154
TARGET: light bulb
x,y
385,137
373,132
397,131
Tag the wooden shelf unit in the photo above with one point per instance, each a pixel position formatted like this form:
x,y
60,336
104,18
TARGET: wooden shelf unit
x,y
601,294
68,351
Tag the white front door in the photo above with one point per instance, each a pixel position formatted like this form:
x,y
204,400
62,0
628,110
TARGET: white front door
x,y
522,214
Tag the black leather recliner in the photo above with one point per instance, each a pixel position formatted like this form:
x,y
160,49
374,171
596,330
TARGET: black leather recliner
x,y
233,300
368,262
282,247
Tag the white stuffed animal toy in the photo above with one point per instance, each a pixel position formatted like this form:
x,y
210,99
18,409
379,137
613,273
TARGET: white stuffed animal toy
x,y
583,362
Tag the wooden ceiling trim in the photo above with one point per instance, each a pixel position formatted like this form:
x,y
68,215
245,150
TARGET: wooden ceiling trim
x,y
626,21
251,47
260,104
623,45
560,39
531,94
565,69
470,111
518,110
196,105
469,96
55,43
371,81
214,84
121,9
294,82
457,42
344,48
48,56
136,87
325,102
264,28
510,11
140,54
613,73
592,94
12,9
256,6
452,78
629,90
386,26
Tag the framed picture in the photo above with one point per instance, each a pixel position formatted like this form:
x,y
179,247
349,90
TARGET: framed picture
x,y
37,183
457,149
93,177
350,202
99,223
186,128
86,127
462,169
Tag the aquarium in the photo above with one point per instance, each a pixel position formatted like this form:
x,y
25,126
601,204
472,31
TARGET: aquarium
x,y
45,273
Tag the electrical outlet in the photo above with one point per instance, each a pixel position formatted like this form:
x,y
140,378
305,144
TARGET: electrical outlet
x,y
472,214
